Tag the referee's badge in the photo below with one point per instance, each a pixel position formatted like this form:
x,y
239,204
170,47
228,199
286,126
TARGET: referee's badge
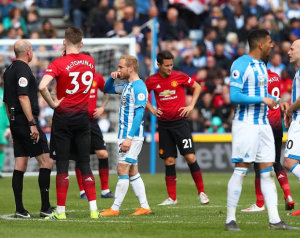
x,y
23,82
235,74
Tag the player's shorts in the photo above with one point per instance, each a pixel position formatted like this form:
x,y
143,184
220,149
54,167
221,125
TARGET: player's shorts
x,y
3,140
97,142
173,135
252,143
292,148
23,145
278,145
131,156
70,129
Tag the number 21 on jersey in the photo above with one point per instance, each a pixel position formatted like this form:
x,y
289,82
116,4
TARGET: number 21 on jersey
x,y
86,79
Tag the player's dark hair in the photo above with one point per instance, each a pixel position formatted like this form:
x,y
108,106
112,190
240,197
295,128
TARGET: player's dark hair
x,y
73,35
256,36
164,55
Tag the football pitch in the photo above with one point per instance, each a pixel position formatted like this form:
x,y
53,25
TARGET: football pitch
x,y
187,219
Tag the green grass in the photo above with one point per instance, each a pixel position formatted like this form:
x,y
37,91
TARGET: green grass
x,y
188,219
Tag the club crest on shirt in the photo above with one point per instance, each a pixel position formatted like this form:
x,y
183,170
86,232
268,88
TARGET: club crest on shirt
x,y
235,74
94,84
174,84
23,82
262,80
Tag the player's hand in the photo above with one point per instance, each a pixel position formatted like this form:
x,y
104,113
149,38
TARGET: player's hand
x,y
125,146
157,112
57,102
287,120
269,102
115,75
185,111
34,133
284,106
98,111
7,133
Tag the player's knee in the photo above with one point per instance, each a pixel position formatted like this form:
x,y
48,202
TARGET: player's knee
x,y
169,161
102,154
190,158
288,163
241,171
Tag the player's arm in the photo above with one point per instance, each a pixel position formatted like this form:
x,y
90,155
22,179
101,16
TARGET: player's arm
x,y
156,112
99,110
186,110
43,88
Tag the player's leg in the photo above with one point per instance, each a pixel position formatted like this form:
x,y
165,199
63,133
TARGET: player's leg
x,y
168,152
2,157
80,182
282,176
98,146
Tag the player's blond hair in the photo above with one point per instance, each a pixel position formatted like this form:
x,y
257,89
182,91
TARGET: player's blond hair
x,y
130,61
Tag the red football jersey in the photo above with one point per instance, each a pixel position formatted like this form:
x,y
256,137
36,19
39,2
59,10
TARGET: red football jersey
x,y
98,82
169,93
74,75
274,114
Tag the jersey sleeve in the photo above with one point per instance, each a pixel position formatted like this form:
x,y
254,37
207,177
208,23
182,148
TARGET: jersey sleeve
x,y
112,88
101,81
148,84
23,76
52,69
236,74
187,80
141,95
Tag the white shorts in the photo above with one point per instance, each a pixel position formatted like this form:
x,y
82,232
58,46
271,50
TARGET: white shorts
x,y
131,156
292,148
252,143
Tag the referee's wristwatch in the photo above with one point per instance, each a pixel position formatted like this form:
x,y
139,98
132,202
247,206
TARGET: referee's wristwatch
x,y
32,122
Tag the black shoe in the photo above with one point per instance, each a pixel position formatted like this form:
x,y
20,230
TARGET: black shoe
x,y
23,214
47,212
232,226
83,196
281,226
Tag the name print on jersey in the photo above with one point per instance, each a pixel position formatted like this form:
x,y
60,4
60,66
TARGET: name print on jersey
x,y
79,62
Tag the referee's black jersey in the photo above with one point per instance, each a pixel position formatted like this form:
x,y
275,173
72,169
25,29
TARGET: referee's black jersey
x,y
19,80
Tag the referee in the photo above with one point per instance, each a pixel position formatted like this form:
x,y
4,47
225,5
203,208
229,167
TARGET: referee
x,y
21,101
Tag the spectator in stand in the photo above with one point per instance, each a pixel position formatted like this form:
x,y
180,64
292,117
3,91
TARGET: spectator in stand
x,y
216,125
5,7
104,122
15,20
129,19
210,36
251,23
293,10
195,122
213,71
239,18
222,61
142,8
294,34
186,63
206,108
33,22
286,83
96,13
275,64
281,22
199,59
215,15
293,24
118,30
251,8
222,29
174,27
268,23
231,45
285,47
103,26
47,30
47,3
67,9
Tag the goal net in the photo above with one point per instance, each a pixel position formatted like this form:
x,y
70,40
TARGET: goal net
x,y
106,53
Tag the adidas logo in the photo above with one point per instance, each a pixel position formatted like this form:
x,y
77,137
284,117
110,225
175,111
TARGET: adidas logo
x,y
54,153
67,178
89,179
158,86
280,176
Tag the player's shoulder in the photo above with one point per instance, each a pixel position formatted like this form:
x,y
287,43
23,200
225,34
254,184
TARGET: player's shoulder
x,y
272,74
152,77
242,61
177,73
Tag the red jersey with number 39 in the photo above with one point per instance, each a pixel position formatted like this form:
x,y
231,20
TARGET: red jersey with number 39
x,y
274,114
98,83
169,93
74,75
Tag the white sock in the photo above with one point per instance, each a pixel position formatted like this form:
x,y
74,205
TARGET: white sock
x,y
138,187
60,209
296,170
268,189
82,192
121,190
93,205
234,190
105,191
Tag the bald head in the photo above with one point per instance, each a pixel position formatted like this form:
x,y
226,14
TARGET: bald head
x,y
21,47
294,53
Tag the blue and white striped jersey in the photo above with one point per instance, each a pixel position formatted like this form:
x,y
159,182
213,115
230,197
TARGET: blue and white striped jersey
x,y
251,77
296,93
134,96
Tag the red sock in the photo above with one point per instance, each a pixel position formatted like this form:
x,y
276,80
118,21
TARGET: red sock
x,y
62,185
79,179
284,183
197,176
259,195
104,175
89,186
171,186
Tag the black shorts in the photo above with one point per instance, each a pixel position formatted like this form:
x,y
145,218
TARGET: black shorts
x,y
24,146
278,144
173,135
97,142
67,130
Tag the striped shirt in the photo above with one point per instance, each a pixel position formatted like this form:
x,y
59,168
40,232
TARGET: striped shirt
x,y
251,77
296,93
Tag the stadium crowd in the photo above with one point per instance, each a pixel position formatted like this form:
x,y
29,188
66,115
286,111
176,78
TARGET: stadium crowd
x,y
204,45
